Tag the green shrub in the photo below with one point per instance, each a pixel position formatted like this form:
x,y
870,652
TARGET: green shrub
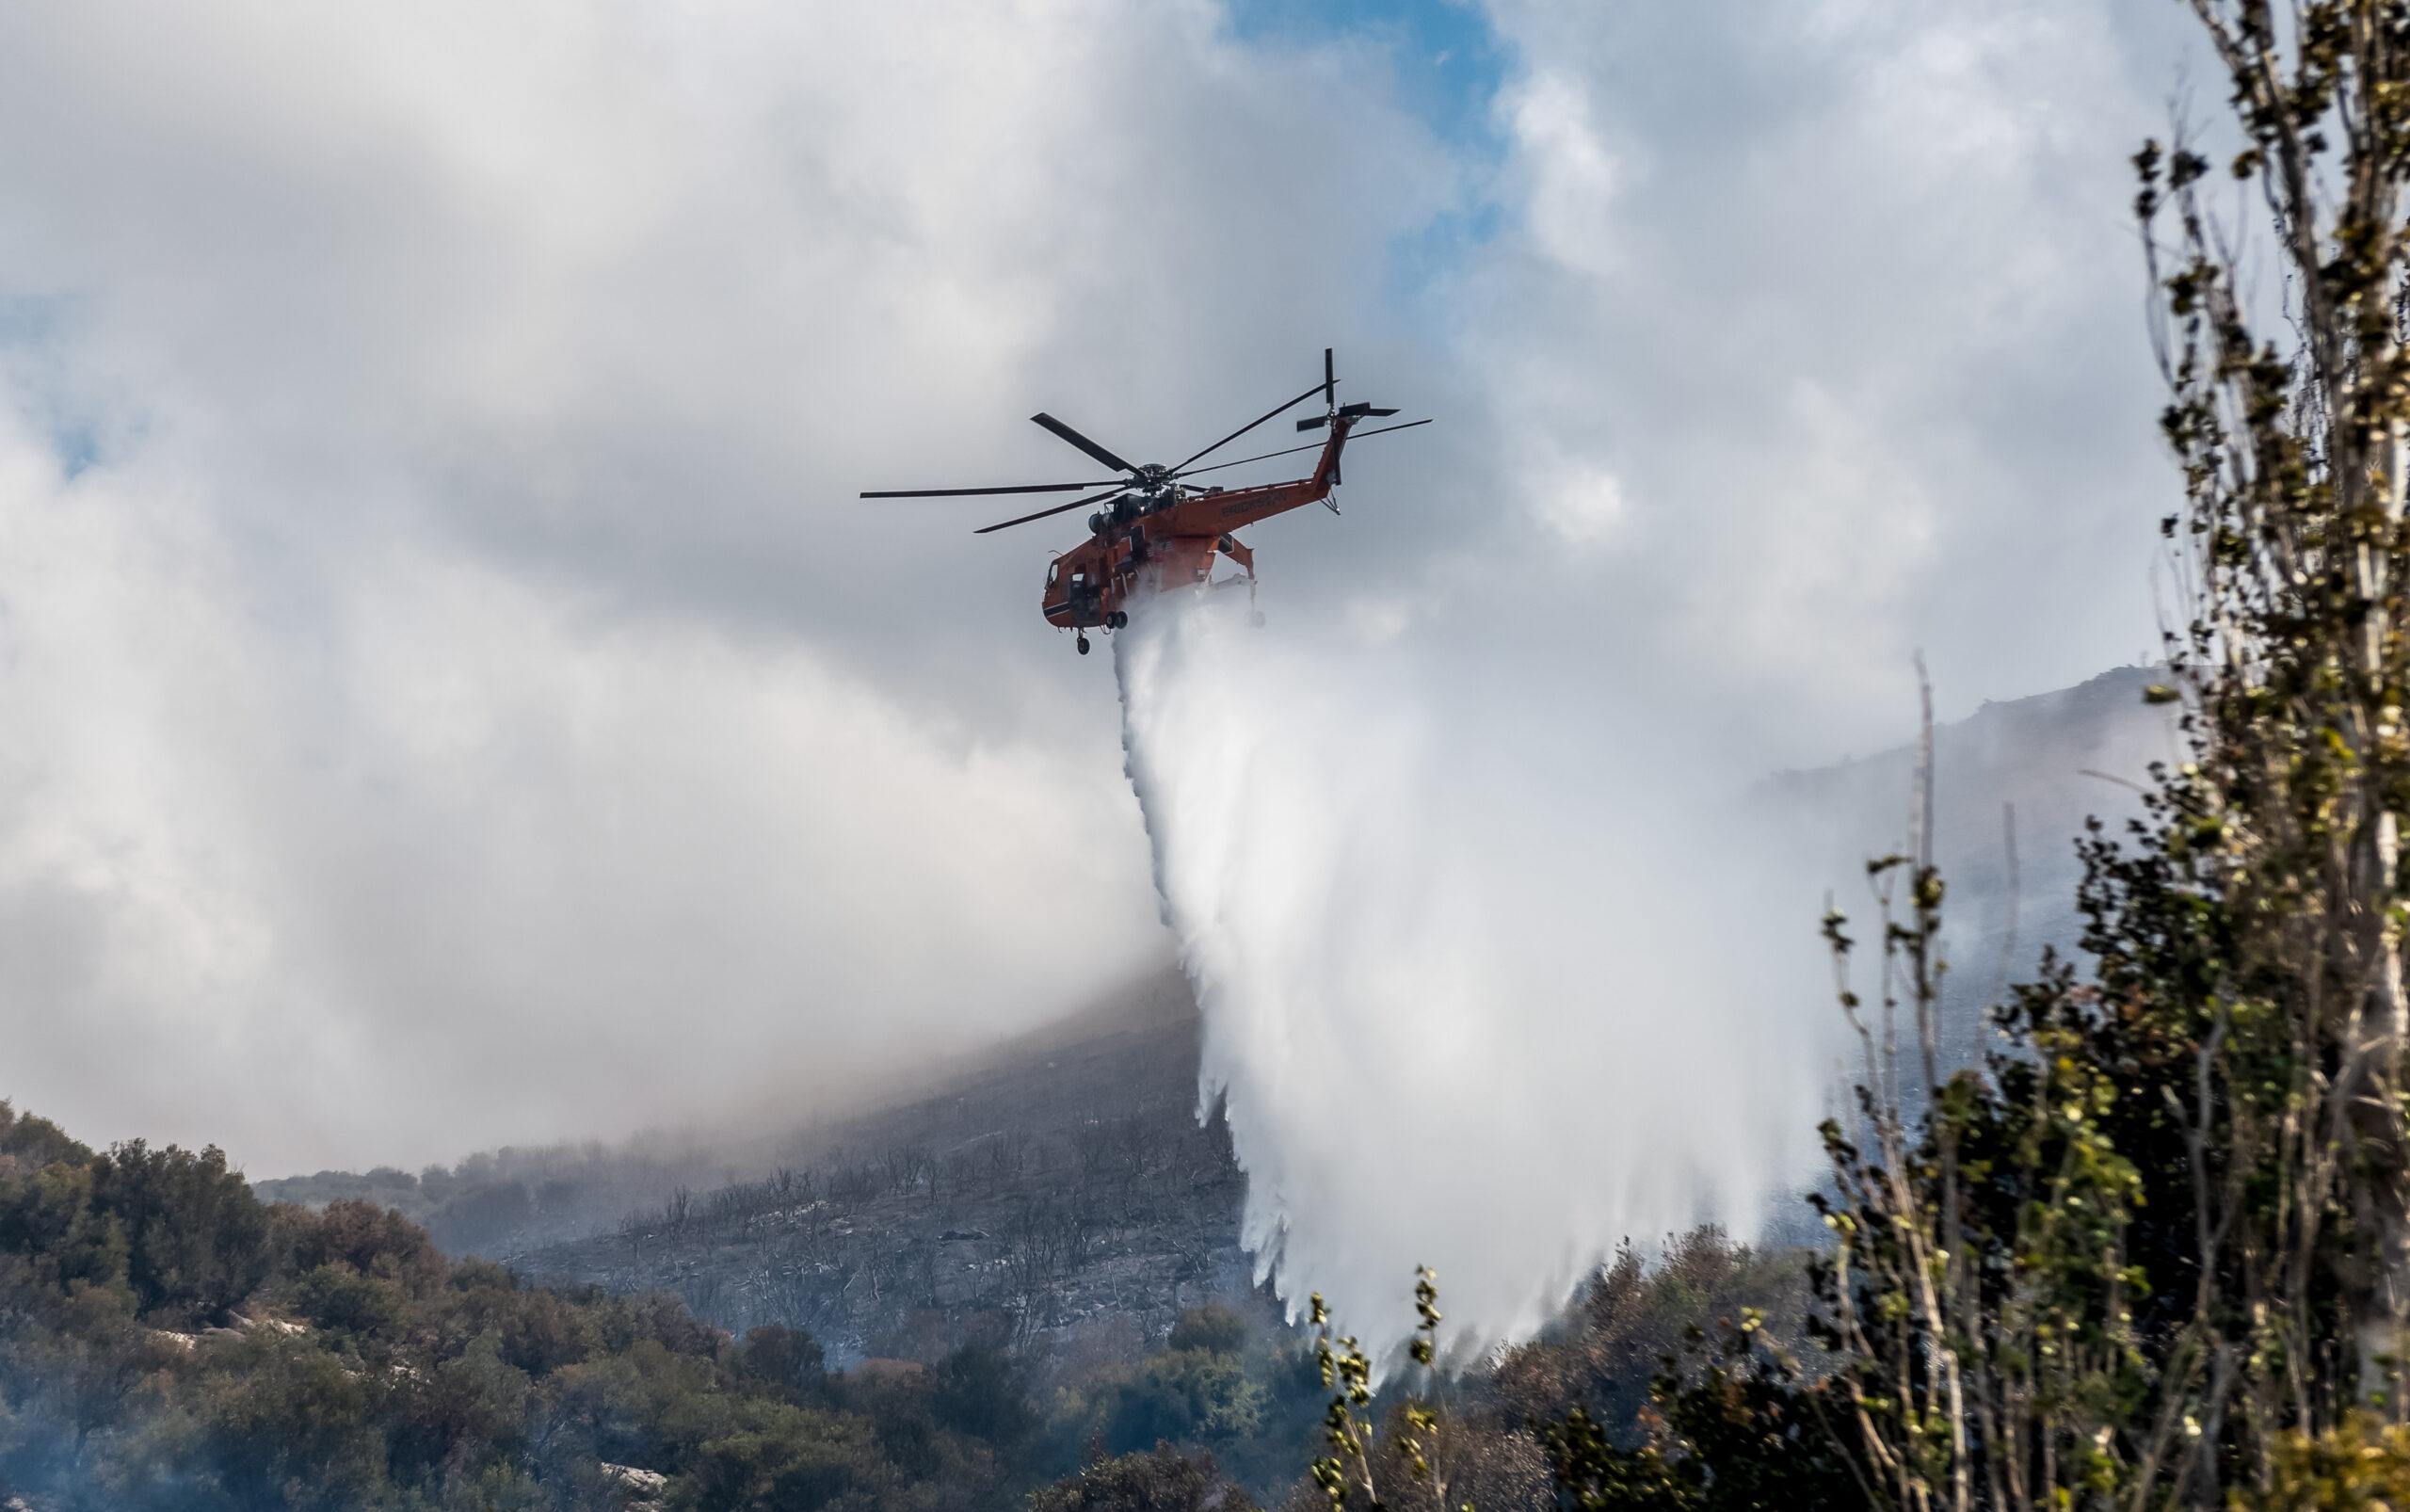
x,y
1185,1395
195,1237
786,1360
337,1297
1163,1479
1212,1328
980,1390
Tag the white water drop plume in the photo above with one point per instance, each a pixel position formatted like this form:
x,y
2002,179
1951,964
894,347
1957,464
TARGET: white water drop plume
x,y
1486,982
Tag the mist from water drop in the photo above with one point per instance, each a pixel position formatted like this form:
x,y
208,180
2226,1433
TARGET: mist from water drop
x,y
1489,983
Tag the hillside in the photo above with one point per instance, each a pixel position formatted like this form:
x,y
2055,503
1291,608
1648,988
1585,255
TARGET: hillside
x,y
1063,1186
1066,1186
168,1343
2014,784
2054,758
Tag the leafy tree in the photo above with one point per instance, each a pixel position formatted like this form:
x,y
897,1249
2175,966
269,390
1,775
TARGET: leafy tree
x,y
28,1143
285,1423
1729,1426
1186,1395
536,1330
1637,1316
49,1223
980,1389
1212,1329
1163,1479
195,1234
361,1307
787,1360
91,1364
483,1215
367,1239
894,1395
364,1371
795,1459
2167,1238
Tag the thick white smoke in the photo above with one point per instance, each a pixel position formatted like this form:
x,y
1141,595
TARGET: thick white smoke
x,y
1486,987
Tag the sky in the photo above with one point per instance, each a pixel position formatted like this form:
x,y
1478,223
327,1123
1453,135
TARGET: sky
x,y
452,696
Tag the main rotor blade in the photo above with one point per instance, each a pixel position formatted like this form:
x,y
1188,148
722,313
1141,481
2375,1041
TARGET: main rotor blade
x,y
1093,498
1080,442
1234,435
956,493
1311,445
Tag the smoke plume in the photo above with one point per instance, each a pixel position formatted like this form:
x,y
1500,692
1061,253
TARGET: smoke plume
x,y
1487,986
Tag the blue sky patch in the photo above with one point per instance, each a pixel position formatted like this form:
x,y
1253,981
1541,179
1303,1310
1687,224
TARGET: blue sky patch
x,y
32,379
1450,66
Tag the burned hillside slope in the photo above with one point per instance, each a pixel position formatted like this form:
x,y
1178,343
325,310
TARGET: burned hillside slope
x,y
1063,1186
1067,1185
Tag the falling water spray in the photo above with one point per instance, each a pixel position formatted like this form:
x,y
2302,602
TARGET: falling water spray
x,y
1486,987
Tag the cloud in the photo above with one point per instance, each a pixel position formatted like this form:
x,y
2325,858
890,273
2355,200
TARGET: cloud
x,y
1846,301
469,858
454,696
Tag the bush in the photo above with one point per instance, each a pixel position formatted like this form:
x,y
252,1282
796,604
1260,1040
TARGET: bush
x,y
475,1403
538,1331
31,1143
1184,1394
285,1423
1163,1479
787,1360
371,1240
195,1237
979,1390
337,1297
417,1385
1212,1328
795,1459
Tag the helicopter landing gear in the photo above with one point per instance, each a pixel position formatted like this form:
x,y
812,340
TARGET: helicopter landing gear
x,y
1117,620
1255,617
1084,644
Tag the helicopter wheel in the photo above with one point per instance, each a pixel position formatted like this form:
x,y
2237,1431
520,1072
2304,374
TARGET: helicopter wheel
x,y
1117,620
1084,645
1255,617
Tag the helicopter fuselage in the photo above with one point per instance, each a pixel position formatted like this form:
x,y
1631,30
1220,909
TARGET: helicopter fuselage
x,y
1171,540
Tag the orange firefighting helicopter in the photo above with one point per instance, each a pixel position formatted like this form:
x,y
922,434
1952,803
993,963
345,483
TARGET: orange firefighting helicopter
x,y
1156,532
